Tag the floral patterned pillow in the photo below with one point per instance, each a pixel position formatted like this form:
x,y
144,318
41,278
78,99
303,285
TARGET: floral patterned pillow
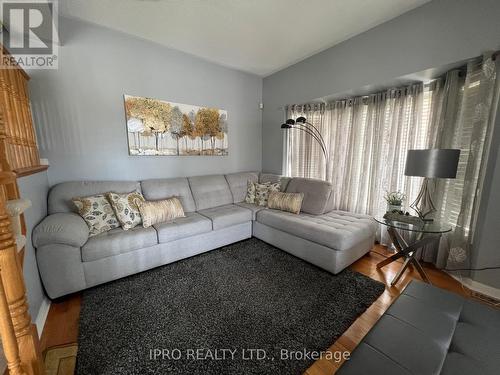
x,y
262,192
250,197
97,213
126,208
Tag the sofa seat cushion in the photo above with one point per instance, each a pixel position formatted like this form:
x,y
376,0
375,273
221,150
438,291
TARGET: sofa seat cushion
x,y
182,227
118,241
252,207
226,216
338,230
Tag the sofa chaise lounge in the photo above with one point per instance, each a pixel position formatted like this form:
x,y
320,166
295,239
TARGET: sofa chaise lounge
x,y
216,215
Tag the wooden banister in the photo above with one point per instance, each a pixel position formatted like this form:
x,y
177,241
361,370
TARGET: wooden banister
x,y
21,150
8,336
18,149
15,292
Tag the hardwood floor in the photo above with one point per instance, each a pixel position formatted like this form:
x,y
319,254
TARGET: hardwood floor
x,y
61,326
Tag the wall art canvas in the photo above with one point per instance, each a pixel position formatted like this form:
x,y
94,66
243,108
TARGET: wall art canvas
x,y
158,127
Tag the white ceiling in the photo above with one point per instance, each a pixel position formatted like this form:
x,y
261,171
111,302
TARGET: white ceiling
x,y
257,36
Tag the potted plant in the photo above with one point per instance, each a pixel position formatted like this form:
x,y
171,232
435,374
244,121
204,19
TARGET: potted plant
x,y
394,200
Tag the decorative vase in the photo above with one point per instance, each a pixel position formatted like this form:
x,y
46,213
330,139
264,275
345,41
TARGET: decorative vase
x,y
394,207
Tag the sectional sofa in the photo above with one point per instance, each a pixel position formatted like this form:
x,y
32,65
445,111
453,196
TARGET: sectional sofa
x,y
216,215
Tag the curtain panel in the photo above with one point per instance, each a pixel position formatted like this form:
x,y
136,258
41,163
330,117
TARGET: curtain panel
x,y
463,118
368,138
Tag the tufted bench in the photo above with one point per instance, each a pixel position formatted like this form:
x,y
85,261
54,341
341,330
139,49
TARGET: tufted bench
x,y
430,331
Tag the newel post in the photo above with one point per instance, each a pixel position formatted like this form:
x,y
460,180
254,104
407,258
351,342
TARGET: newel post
x,y
8,336
15,292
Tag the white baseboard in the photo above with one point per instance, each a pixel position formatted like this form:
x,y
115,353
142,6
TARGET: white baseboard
x,y
41,317
478,287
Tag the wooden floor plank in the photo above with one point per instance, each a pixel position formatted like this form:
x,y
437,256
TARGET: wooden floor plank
x,y
61,326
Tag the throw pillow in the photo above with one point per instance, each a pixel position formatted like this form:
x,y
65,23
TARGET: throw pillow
x,y
97,213
290,202
153,212
262,192
250,198
125,208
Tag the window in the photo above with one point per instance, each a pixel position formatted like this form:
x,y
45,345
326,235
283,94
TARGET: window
x,y
367,139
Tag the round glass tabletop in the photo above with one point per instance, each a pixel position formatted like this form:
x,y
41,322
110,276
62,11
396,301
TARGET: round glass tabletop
x,y
424,227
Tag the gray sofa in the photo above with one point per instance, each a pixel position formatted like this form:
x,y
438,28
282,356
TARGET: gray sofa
x,y
216,215
430,331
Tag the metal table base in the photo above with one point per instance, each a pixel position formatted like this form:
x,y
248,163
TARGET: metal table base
x,y
408,252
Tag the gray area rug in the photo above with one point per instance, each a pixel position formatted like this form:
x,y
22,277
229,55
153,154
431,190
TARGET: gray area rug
x,y
240,309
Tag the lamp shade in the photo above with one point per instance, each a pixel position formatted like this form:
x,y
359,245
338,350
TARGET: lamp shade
x,y
432,163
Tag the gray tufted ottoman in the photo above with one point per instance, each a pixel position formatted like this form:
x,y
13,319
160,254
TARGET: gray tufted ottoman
x,y
430,331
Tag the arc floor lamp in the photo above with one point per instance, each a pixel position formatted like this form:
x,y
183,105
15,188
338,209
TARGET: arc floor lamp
x,y
301,124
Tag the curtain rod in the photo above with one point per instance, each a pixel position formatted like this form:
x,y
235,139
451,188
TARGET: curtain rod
x,y
494,56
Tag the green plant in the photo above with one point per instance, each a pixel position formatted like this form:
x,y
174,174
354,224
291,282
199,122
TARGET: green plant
x,y
395,198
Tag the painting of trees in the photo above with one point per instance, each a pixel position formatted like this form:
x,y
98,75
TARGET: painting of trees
x,y
176,123
207,124
157,127
155,115
187,129
222,127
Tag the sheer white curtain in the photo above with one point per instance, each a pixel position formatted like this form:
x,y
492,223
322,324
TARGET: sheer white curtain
x,y
463,118
367,139
305,158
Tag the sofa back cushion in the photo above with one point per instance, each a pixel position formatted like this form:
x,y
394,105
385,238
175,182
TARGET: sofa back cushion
x,y
273,178
316,194
210,191
60,195
238,184
158,189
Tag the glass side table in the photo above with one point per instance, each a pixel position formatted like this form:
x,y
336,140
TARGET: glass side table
x,y
427,232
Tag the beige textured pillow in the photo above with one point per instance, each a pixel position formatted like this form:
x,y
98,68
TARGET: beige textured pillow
x,y
153,212
125,208
290,202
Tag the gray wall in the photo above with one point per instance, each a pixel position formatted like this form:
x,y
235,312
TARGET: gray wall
x,y
79,111
438,33
34,188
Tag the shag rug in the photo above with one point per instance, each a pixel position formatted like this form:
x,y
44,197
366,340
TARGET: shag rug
x,y
247,308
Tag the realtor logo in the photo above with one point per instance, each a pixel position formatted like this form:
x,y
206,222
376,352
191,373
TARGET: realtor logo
x,y
30,34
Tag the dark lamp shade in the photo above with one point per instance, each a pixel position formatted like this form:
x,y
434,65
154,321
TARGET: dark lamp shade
x,y
432,163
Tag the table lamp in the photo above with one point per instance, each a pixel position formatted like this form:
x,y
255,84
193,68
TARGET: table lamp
x,y
430,164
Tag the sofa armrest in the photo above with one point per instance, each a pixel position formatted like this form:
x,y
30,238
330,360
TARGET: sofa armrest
x,y
61,228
